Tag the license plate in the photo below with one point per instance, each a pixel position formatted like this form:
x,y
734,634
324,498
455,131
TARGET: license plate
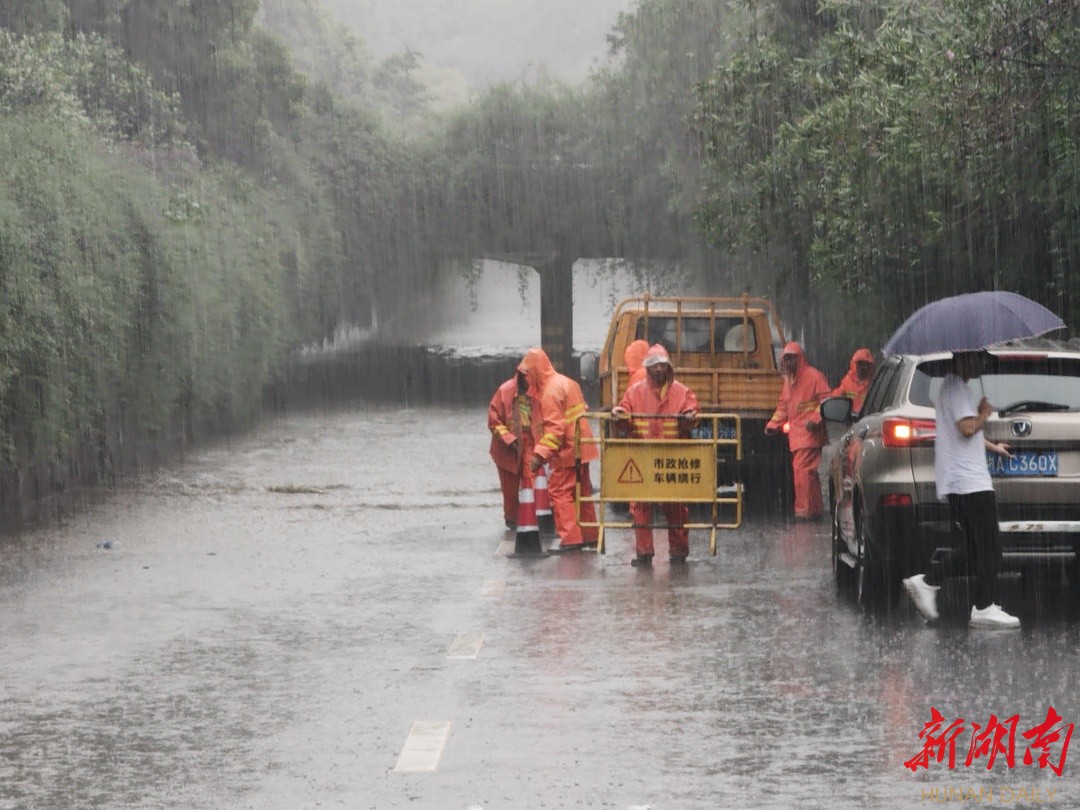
x,y
1023,464
705,432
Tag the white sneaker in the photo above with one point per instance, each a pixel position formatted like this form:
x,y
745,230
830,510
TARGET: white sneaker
x,y
994,618
924,595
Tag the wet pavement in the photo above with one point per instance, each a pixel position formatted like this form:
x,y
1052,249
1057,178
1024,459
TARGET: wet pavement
x,y
321,614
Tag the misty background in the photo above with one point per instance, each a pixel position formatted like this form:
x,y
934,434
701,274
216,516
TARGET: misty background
x,y
488,41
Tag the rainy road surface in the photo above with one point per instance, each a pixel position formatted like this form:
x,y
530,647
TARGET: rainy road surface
x,y
321,614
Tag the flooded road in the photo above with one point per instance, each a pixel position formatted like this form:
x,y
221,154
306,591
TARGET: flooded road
x,y
321,614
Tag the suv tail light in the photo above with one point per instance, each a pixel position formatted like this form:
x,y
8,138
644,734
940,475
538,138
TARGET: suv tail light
x,y
898,432
895,499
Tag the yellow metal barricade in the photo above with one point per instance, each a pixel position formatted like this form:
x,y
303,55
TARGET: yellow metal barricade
x,y
663,471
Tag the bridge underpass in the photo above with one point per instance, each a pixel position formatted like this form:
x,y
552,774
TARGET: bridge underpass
x,y
556,273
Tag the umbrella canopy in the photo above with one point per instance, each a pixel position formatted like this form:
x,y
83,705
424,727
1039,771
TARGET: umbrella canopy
x,y
970,322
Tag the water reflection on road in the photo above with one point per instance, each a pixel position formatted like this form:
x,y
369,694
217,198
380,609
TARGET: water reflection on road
x,y
276,613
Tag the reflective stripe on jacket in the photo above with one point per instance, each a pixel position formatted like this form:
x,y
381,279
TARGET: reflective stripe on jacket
x,y
505,421
561,406
800,403
645,398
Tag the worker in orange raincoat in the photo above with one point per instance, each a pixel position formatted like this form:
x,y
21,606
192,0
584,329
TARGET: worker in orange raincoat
x,y
857,381
633,356
562,407
659,394
799,407
513,432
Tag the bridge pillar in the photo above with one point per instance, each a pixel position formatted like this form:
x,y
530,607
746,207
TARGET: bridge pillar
x,y
557,312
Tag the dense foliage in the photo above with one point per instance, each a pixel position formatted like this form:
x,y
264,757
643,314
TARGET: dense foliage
x,y
179,206
917,149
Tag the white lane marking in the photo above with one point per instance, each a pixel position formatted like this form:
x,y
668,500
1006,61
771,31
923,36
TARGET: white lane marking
x,y
1040,527
493,589
467,645
506,548
424,746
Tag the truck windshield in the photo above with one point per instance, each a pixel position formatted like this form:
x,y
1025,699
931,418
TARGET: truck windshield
x,y
731,334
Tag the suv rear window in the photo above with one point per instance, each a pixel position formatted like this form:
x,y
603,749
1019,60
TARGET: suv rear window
x,y
731,335
1039,381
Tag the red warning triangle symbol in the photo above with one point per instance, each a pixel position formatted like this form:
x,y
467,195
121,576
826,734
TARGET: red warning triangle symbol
x,y
631,474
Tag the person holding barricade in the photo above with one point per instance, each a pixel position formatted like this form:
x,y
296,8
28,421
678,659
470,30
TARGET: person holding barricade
x,y
562,408
510,420
659,407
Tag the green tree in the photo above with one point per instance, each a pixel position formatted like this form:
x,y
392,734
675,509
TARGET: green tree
x,y
919,149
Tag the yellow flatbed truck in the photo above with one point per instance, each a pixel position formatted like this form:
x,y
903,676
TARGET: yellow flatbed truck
x,y
727,350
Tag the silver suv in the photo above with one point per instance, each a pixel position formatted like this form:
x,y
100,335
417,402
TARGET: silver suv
x,y
887,522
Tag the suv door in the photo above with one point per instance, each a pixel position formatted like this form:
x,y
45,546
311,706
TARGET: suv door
x,y
854,447
849,450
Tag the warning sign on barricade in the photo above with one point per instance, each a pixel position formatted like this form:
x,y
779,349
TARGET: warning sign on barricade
x,y
658,471
666,471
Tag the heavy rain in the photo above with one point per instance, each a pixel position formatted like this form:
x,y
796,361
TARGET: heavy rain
x,y
269,271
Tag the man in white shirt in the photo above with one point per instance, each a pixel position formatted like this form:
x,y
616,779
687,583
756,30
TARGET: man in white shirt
x,y
962,478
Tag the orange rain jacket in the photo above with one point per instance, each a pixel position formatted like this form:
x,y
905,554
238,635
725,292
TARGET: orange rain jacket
x,y
851,386
633,356
644,397
561,406
800,402
505,418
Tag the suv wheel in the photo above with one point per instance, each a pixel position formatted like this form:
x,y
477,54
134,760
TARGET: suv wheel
x,y
876,587
842,572
868,579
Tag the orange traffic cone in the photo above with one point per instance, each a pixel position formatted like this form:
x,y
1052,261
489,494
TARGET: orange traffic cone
x,y
527,541
545,520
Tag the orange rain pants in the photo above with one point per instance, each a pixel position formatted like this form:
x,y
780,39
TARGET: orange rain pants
x,y
509,481
675,515
804,464
561,489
